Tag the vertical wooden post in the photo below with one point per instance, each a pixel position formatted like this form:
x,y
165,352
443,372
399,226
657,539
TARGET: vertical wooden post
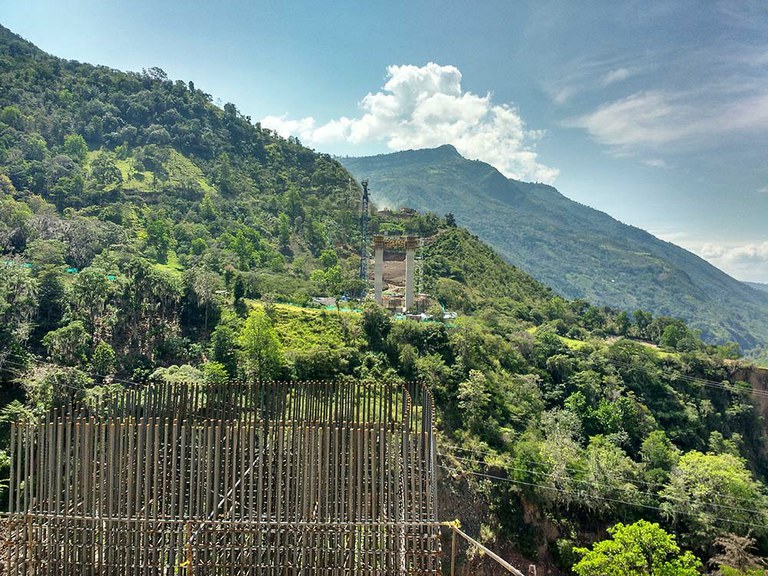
x,y
453,551
190,569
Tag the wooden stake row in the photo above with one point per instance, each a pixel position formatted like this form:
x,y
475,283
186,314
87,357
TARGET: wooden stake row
x,y
323,478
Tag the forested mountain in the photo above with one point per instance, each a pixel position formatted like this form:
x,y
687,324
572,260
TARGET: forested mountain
x,y
578,251
147,233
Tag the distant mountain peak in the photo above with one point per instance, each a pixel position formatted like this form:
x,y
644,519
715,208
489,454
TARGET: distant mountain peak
x,y
444,152
447,149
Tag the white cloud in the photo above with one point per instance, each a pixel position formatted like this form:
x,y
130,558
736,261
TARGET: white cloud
x,y
645,118
673,121
745,261
615,76
423,107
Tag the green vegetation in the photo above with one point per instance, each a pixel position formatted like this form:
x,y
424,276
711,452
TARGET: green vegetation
x,y
637,550
182,242
578,251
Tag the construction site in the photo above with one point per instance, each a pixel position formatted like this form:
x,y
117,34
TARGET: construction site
x,y
263,478
397,266
240,478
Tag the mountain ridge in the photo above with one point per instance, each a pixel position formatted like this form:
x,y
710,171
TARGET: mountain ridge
x,y
536,227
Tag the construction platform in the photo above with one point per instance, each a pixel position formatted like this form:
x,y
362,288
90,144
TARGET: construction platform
x,y
266,478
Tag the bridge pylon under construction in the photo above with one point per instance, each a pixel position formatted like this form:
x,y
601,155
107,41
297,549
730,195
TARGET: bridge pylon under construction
x,y
266,478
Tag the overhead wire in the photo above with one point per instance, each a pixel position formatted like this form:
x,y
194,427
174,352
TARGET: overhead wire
x,y
575,470
604,498
731,387
92,374
603,485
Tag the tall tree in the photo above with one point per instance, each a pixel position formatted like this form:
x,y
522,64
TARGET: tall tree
x,y
260,350
640,549
710,495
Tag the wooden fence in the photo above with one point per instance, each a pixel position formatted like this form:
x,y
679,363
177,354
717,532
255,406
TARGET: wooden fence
x,y
263,478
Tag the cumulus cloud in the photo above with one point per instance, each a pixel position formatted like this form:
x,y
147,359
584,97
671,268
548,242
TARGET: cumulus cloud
x,y
424,107
745,262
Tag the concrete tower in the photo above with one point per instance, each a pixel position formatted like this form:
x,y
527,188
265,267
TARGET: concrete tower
x,y
410,264
378,267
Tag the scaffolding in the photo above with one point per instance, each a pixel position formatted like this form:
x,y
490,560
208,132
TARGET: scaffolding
x,y
267,478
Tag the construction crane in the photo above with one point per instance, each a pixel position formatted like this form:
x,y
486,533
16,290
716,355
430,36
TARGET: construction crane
x,y
364,234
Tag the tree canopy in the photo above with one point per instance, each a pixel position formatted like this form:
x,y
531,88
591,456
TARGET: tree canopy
x,y
639,549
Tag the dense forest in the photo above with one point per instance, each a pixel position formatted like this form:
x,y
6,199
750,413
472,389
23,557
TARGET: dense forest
x,y
147,233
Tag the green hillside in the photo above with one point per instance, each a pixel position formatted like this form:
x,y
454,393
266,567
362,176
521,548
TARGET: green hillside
x,y
578,251
147,233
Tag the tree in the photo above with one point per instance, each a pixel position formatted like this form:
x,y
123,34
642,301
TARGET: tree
x,y
104,171
49,386
376,325
75,147
12,116
91,295
6,186
103,359
52,300
283,230
737,557
474,400
206,286
185,373
608,474
224,343
261,353
658,455
46,252
640,549
623,323
18,299
709,495
159,234
215,373
68,344
208,209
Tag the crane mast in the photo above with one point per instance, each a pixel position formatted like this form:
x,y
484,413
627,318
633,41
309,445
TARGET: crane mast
x,y
364,234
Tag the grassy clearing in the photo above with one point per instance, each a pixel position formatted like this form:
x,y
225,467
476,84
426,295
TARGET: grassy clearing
x,y
307,328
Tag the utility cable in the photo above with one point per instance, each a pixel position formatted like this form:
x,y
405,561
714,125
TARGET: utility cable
x,y
604,498
603,485
576,470
692,379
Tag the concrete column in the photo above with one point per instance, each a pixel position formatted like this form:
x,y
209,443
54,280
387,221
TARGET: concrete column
x,y
410,265
378,267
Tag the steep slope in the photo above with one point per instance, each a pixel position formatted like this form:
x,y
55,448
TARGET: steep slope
x,y
579,251
155,160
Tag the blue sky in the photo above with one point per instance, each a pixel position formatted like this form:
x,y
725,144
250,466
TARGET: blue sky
x,y
655,112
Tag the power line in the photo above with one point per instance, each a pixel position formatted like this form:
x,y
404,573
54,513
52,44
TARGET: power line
x,y
603,485
44,363
604,498
693,379
466,460
528,460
